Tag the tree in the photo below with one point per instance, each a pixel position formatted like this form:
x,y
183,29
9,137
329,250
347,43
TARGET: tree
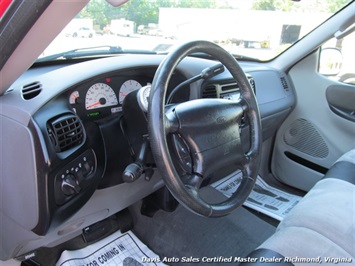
x,y
264,5
196,3
100,12
139,11
147,11
334,6
328,6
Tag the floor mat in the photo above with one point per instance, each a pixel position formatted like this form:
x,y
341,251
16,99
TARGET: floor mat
x,y
116,249
263,198
181,236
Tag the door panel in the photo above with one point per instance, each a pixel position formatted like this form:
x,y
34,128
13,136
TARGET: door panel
x,y
313,137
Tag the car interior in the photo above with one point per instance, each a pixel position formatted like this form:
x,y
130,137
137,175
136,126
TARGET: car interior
x,y
175,147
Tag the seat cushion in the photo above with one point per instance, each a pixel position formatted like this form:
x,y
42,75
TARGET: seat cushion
x,y
347,157
321,227
301,246
322,224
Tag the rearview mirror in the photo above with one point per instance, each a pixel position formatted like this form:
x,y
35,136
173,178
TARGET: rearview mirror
x,y
117,3
330,62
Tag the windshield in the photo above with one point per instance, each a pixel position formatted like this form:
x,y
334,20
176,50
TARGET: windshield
x,y
259,29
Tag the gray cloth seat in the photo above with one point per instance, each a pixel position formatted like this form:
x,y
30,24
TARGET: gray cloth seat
x,y
322,225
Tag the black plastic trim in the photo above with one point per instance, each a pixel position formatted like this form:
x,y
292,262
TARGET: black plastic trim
x,y
306,163
20,15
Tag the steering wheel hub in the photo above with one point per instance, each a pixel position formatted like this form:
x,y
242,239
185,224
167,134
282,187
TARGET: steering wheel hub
x,y
210,128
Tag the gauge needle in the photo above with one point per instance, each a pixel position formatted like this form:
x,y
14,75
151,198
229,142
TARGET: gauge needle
x,y
92,105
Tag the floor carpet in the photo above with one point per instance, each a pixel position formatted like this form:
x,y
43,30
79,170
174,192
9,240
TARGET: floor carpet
x,y
184,234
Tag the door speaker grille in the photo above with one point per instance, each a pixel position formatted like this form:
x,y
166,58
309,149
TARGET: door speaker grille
x,y
304,137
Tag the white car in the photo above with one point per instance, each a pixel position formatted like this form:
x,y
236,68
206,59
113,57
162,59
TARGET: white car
x,y
84,32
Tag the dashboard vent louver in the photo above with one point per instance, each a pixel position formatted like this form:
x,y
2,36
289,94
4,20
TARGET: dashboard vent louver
x,y
252,84
65,133
229,87
284,84
31,90
209,92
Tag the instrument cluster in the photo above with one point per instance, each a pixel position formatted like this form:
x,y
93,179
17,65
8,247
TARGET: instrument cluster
x,y
103,96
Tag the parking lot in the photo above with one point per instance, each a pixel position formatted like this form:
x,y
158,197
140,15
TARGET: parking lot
x,y
140,42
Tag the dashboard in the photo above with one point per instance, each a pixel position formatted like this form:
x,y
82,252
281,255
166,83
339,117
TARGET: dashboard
x,y
82,126
103,96
90,138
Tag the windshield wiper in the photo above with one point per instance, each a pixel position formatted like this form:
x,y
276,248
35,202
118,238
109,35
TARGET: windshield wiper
x,y
90,51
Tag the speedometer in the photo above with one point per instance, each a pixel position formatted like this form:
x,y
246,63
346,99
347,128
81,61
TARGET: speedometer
x,y
127,87
100,95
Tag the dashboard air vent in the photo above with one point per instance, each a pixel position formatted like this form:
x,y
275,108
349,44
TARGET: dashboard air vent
x,y
65,132
31,90
252,84
229,87
284,84
209,92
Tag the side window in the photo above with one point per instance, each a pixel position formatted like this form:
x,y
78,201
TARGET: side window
x,y
337,59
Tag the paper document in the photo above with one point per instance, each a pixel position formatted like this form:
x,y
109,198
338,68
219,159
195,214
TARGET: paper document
x,y
116,249
263,198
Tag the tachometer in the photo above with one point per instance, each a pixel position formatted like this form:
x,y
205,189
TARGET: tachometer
x,y
127,87
74,97
100,95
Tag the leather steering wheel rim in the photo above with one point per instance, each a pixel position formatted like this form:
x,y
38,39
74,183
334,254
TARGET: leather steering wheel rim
x,y
159,126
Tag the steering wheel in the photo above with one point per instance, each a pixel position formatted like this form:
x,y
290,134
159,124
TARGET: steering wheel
x,y
205,134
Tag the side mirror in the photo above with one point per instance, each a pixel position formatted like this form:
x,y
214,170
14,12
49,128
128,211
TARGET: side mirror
x,y
330,62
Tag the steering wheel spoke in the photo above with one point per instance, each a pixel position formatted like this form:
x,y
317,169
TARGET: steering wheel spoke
x,y
171,121
243,104
192,182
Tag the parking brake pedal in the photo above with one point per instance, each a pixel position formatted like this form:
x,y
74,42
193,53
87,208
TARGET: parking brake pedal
x,y
97,231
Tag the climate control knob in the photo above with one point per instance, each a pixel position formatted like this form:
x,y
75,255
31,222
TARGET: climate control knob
x,y
70,185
